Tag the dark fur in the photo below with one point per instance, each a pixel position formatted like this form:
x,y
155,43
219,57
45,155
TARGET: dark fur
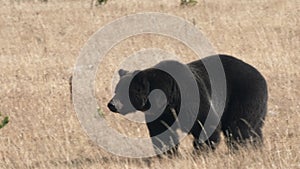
x,y
244,113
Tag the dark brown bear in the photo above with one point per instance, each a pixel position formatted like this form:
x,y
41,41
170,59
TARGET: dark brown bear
x,y
241,120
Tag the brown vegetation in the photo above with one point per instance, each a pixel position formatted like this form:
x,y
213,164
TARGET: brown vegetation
x,y
39,44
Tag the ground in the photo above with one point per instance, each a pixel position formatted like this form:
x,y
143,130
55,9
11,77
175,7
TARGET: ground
x,y
39,45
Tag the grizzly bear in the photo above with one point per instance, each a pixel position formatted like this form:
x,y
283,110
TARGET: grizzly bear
x,y
241,120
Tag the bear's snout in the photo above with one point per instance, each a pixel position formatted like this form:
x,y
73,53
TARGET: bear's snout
x,y
112,106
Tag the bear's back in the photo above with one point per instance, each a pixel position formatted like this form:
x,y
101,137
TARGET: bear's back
x,y
240,76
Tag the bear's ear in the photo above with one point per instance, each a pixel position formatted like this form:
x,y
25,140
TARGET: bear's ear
x,y
122,72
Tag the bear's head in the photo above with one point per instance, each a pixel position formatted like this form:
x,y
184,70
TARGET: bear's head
x,y
131,93
150,90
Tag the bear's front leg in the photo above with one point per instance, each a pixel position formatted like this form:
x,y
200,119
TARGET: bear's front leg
x,y
208,144
164,136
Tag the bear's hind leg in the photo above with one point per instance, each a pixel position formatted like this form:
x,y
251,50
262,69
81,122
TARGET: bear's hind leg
x,y
241,134
243,119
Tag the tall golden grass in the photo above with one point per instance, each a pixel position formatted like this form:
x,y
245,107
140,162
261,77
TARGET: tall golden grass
x,y
39,44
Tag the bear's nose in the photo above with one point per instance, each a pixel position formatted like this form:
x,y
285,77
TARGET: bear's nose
x,y
112,107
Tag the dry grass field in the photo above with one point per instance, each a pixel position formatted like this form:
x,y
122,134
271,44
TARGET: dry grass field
x,y
39,45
